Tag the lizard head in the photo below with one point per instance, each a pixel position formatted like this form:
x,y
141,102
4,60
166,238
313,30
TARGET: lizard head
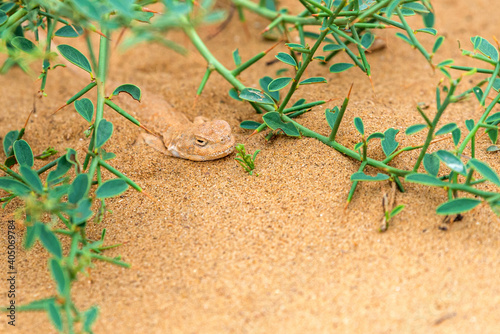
x,y
206,141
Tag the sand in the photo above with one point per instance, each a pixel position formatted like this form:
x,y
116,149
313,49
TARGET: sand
x,y
219,251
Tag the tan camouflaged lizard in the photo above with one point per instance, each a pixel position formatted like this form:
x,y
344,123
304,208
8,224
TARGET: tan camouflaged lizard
x,y
200,140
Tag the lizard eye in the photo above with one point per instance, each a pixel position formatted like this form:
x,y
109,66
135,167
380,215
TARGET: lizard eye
x,y
200,142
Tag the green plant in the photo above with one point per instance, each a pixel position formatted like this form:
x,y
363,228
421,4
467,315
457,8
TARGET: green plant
x,y
247,161
354,22
67,194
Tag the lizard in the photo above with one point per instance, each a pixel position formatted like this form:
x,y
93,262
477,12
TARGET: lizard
x,y
200,140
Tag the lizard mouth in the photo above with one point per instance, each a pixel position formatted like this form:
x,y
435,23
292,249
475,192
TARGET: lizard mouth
x,y
208,155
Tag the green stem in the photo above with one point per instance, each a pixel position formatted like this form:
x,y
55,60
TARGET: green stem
x,y
430,134
344,150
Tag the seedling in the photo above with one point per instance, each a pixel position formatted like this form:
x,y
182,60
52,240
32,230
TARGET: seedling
x,y
247,161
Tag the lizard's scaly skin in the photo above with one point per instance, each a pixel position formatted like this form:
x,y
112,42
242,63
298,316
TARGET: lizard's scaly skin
x,y
198,141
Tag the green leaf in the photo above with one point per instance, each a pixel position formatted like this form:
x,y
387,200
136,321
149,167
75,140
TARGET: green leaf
x,y
333,47
331,117
496,84
31,178
236,58
417,7
24,44
313,80
396,210
456,206
415,128
294,45
69,31
493,134
425,179
493,118
437,44
234,94
360,176
478,92
453,163
358,146
286,58
89,317
31,235
82,212
404,38
446,129
367,40
75,57
8,142
14,186
358,123
278,84
340,67
3,17
103,133
431,31
36,305
431,164
486,171
456,134
493,148
130,89
264,83
23,153
375,135
50,241
255,95
78,188
62,168
274,122
428,19
59,276
469,124
85,108
55,316
111,188
249,125
445,63
389,143
485,47
389,10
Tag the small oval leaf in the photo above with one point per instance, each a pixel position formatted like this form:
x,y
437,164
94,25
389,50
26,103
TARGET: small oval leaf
x,y
453,163
111,188
24,44
79,188
446,129
286,58
486,171
130,89
278,84
431,164
85,108
415,128
273,121
23,153
75,57
50,241
340,67
358,123
31,178
250,125
69,31
103,133
333,47
360,176
58,275
313,80
456,206
255,95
